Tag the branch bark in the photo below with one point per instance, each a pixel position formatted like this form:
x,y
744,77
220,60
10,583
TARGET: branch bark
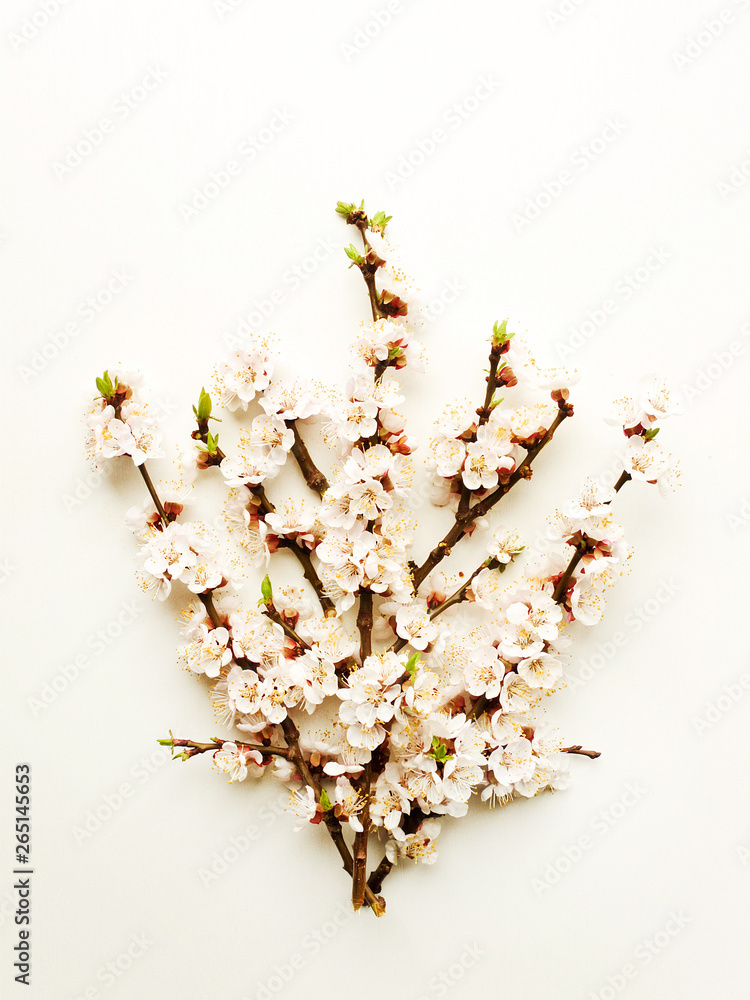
x,y
313,476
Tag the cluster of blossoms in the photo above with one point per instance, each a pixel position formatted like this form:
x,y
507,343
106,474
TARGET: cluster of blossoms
x,y
385,694
120,422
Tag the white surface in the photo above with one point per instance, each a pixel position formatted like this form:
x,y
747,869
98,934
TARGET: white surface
x,y
682,843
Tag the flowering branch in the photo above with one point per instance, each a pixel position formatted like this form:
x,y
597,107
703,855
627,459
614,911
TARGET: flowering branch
x,y
291,735
401,747
464,520
290,731
190,748
368,264
561,590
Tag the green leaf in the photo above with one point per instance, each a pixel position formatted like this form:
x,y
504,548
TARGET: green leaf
x,y
325,801
345,208
105,387
651,433
204,406
353,254
379,221
500,333
440,751
266,591
212,443
412,664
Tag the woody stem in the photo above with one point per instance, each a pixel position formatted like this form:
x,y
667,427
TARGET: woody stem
x,y
313,476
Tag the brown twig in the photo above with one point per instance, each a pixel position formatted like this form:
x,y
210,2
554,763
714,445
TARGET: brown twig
x,y
369,275
154,495
361,839
313,476
271,612
591,754
361,842
217,744
365,623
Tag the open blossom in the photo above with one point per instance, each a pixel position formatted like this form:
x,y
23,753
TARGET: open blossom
x,y
413,623
587,600
108,436
485,672
293,519
244,691
512,763
329,638
304,807
340,546
527,424
488,589
315,677
291,400
647,460
369,500
145,435
530,374
539,613
349,803
391,801
653,401
419,846
480,467
243,375
462,773
505,545
540,671
250,530
250,466
394,471
166,556
278,693
517,695
207,573
656,399
255,637
519,640
592,502
273,434
383,339
233,760
449,456
356,419
208,650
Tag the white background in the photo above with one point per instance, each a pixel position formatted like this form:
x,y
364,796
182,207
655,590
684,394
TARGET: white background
x,y
359,99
